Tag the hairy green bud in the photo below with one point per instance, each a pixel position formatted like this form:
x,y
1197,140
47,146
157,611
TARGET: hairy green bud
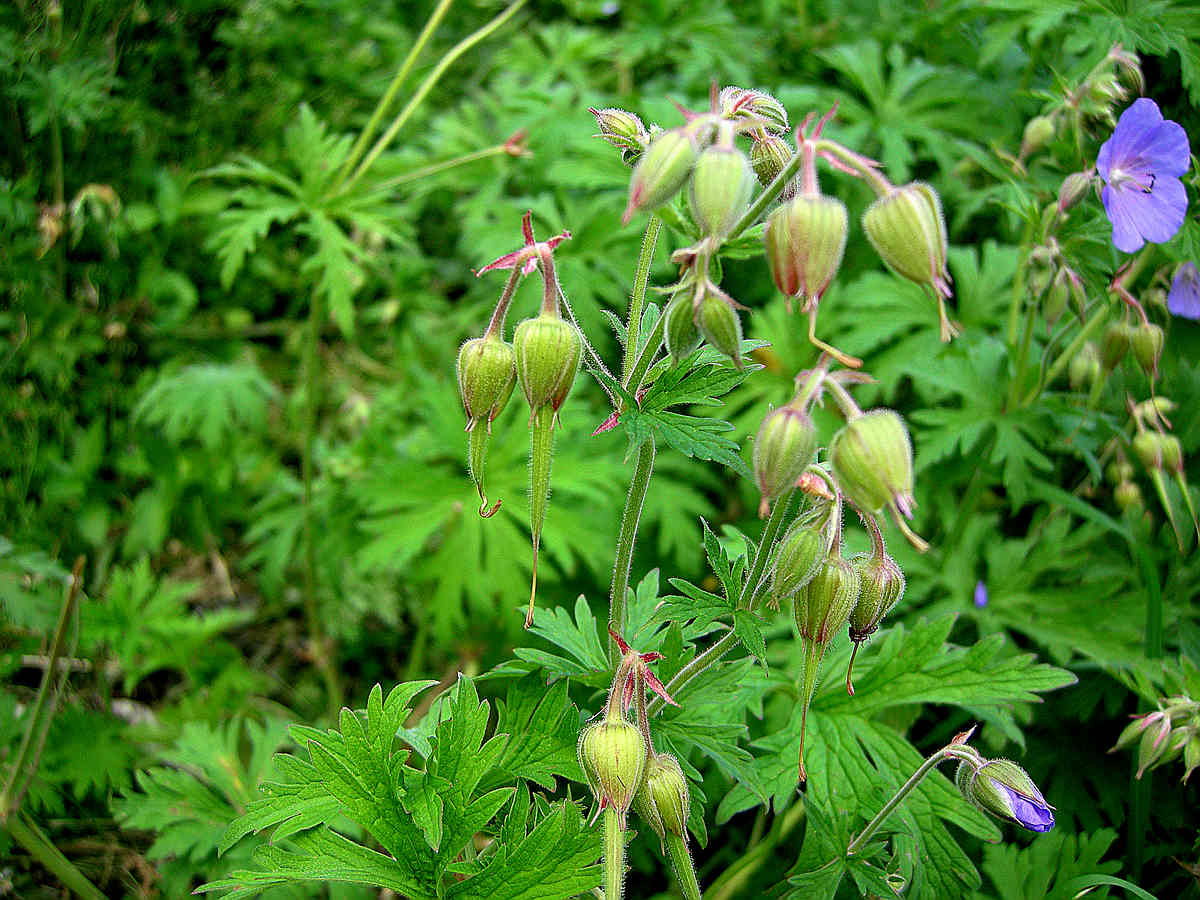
x,y
768,157
662,800
1039,131
805,240
719,323
612,754
680,333
907,229
801,553
1084,369
1115,344
740,103
487,371
720,189
1003,789
662,170
1147,343
784,446
548,351
1128,497
881,587
872,462
623,130
824,605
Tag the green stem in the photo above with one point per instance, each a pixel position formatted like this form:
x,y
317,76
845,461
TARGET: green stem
x,y
37,845
312,400
866,170
426,86
646,357
681,862
541,458
641,279
435,168
1090,327
732,882
1018,289
496,325
614,855
957,751
1014,387
750,596
617,597
389,95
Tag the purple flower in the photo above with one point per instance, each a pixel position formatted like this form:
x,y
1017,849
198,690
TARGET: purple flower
x,y
1141,164
1004,789
1184,299
981,595
1030,812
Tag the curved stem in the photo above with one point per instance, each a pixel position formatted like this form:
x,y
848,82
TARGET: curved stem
x,y
641,279
426,86
685,871
435,168
617,597
1014,387
29,836
389,95
768,195
496,325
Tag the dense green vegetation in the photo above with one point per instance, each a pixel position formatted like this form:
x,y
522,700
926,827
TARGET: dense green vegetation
x,y
237,252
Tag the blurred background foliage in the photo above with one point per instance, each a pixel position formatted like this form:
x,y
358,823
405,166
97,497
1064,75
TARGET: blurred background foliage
x,y
152,417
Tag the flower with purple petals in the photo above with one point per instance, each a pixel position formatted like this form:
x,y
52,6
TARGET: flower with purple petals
x,y
1141,165
1031,813
1184,298
981,595
1004,789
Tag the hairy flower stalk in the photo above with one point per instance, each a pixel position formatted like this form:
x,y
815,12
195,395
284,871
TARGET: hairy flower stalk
x,y
881,587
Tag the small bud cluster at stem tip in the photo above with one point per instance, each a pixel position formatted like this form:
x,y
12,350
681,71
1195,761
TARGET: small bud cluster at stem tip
x,y
1164,735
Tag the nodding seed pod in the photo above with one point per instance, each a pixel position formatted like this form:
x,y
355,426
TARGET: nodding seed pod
x,y
769,155
1115,344
783,448
662,799
719,323
802,552
1084,369
1147,344
881,585
805,240
872,461
487,372
612,753
680,334
720,189
663,169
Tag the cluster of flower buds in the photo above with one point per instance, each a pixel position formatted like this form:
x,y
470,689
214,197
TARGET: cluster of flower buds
x,y
1003,789
1161,455
543,359
1170,732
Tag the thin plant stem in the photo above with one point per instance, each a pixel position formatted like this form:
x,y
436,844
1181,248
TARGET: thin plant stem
x,y
496,325
951,751
1014,388
1018,289
617,598
26,833
681,862
769,193
312,400
25,764
732,882
614,855
444,165
389,95
641,279
426,86
646,357
1090,327
748,600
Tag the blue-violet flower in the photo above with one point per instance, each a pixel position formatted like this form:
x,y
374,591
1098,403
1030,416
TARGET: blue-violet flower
x,y
1184,298
1141,164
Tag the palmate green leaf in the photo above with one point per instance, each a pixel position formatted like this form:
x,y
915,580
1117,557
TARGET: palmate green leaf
x,y
207,402
1046,867
337,262
542,727
251,214
579,637
695,436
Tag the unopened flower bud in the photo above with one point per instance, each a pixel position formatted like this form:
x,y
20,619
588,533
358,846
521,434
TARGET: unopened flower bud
x,y
805,239
612,754
1084,368
1073,189
1039,131
1147,343
739,103
1058,295
719,323
907,229
824,605
680,333
1191,756
1105,89
662,799
1133,731
783,447
1158,451
872,462
1119,470
882,586
768,157
622,129
1003,788
661,172
720,189
487,371
548,350
802,552
1154,745
1128,497
1115,344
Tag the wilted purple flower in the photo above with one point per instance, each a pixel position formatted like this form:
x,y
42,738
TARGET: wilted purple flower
x,y
1184,298
981,595
1141,164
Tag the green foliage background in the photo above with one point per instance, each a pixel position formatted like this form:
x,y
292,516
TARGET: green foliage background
x,y
152,419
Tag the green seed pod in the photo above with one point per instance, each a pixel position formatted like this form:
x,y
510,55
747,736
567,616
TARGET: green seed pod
x,y
1039,131
784,446
872,461
661,172
882,586
1073,189
722,181
1115,344
1128,497
548,350
662,799
680,333
1147,343
719,323
740,103
1084,369
805,240
612,754
768,157
801,553
1058,295
487,371
907,229
1148,447
1119,470
824,605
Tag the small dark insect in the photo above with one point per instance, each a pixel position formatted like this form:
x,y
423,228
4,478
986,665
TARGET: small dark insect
x,y
1147,190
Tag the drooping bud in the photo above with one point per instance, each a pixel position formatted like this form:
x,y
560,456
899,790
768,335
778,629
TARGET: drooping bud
x,y
881,587
740,103
805,240
722,181
1133,731
1154,449
548,351
612,754
1003,789
1154,745
1119,470
783,447
719,324
1058,295
872,461
1074,188
1039,131
768,157
1128,497
1147,343
1115,344
661,171
487,372
680,333
662,799
623,130
802,552
1084,369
